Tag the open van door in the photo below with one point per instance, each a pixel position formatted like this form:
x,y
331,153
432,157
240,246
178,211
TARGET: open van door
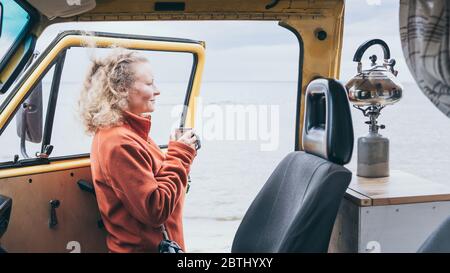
x,y
45,175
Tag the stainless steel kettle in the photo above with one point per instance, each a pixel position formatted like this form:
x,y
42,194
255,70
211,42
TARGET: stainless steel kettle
x,y
378,85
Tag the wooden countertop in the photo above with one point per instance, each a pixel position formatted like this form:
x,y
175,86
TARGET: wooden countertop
x,y
399,188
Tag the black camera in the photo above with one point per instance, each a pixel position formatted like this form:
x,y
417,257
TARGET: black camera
x,y
168,246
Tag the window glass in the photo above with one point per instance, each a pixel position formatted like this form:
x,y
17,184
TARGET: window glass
x,y
37,105
171,72
14,21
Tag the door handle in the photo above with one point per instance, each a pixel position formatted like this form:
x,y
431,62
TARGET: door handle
x,y
86,186
53,221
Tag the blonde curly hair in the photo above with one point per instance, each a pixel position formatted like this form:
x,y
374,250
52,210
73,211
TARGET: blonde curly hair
x,y
104,94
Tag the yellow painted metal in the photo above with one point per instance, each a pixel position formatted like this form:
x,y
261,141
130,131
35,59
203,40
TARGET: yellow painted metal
x,y
12,64
52,167
101,42
320,58
142,10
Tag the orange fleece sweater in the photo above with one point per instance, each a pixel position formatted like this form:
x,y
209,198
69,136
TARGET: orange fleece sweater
x,y
138,187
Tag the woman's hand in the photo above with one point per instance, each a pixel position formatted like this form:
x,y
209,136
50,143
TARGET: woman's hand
x,y
189,138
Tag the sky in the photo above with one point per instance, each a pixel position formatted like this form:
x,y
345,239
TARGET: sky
x,y
232,48
369,19
270,51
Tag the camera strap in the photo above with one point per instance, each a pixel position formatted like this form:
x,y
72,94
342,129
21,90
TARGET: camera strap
x,y
167,245
164,232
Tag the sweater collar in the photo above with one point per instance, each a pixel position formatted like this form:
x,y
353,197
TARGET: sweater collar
x,y
140,125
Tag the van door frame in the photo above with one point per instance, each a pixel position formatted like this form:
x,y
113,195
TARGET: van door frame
x,y
51,55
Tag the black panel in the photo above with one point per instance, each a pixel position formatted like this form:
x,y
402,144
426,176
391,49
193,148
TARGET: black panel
x,y
439,240
340,132
170,6
5,213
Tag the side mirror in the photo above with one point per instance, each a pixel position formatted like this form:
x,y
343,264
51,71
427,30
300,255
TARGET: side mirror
x,y
29,117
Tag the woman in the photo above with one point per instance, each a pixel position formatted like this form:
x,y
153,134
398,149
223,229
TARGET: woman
x,y
138,187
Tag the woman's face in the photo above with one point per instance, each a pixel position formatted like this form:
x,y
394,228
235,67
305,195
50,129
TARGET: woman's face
x,y
141,96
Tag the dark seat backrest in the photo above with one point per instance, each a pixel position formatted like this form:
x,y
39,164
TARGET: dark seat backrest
x,y
439,240
296,208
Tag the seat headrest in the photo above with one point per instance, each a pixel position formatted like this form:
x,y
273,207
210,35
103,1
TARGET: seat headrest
x,y
327,126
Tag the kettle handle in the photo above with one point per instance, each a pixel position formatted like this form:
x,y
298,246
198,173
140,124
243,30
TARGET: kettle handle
x,y
362,48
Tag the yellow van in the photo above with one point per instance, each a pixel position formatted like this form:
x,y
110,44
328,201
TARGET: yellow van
x,y
47,201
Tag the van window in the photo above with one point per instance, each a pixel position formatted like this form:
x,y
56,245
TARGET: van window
x,y
11,142
14,23
171,70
